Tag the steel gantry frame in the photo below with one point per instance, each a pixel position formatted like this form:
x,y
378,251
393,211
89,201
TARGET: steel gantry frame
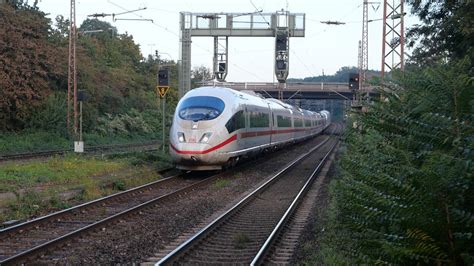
x,y
221,26
393,26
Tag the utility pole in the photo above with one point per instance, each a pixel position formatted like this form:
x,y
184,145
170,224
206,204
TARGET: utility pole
x,y
365,46
393,57
356,94
72,82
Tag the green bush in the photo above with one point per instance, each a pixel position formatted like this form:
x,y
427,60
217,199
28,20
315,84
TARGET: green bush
x,y
405,194
32,141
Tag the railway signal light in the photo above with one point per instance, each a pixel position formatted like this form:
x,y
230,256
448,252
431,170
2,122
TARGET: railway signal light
x,y
82,96
221,67
163,77
280,64
281,42
354,81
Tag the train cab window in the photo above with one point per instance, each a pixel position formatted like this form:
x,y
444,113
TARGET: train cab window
x,y
200,108
237,121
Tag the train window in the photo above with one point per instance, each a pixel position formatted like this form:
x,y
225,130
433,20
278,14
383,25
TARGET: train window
x,y
298,122
237,121
307,123
259,119
283,121
200,108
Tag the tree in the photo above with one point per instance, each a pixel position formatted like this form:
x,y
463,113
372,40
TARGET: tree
x,y
27,62
23,5
446,31
406,190
200,74
342,75
96,25
110,67
405,194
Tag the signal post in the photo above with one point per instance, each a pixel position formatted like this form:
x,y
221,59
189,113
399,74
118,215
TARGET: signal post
x,y
281,25
161,89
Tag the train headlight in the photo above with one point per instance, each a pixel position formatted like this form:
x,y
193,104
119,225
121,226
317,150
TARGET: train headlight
x,y
205,137
181,137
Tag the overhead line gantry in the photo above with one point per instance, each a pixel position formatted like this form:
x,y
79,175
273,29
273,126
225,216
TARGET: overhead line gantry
x,y
282,25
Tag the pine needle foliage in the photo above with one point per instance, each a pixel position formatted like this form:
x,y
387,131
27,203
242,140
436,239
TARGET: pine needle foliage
x,y
405,194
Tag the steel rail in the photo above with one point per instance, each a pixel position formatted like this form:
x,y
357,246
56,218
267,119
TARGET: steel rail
x,y
39,220
21,257
181,249
258,259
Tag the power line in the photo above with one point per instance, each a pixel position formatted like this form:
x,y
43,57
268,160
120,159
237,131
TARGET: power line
x,y
260,12
331,22
154,23
113,15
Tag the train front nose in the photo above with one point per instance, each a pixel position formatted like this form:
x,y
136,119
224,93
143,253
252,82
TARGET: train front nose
x,y
196,129
193,147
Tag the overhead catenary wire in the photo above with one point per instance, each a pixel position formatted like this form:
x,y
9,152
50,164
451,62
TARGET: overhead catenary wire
x,y
194,44
140,16
260,12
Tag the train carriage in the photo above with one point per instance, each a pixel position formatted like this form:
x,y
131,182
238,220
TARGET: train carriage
x,y
214,127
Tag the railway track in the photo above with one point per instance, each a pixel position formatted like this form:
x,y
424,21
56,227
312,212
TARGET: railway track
x,y
34,240
246,233
152,145
23,242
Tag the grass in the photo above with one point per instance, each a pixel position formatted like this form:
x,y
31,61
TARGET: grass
x,y
11,142
220,183
55,171
34,141
325,239
39,187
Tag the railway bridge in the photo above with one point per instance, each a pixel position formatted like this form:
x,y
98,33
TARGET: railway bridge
x,y
298,90
336,97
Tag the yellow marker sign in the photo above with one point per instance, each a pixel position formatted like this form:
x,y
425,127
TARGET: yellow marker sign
x,y
162,90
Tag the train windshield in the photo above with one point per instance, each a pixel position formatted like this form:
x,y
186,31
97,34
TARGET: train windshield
x,y
201,108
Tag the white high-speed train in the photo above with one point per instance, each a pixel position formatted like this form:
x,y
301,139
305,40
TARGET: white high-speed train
x,y
214,127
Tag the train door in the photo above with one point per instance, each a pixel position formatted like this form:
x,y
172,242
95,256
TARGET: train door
x,y
243,143
271,117
236,125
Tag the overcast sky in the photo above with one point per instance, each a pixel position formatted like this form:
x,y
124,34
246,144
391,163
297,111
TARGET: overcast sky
x,y
324,48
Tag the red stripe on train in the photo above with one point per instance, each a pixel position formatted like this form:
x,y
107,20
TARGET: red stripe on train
x,y
272,132
242,135
220,145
